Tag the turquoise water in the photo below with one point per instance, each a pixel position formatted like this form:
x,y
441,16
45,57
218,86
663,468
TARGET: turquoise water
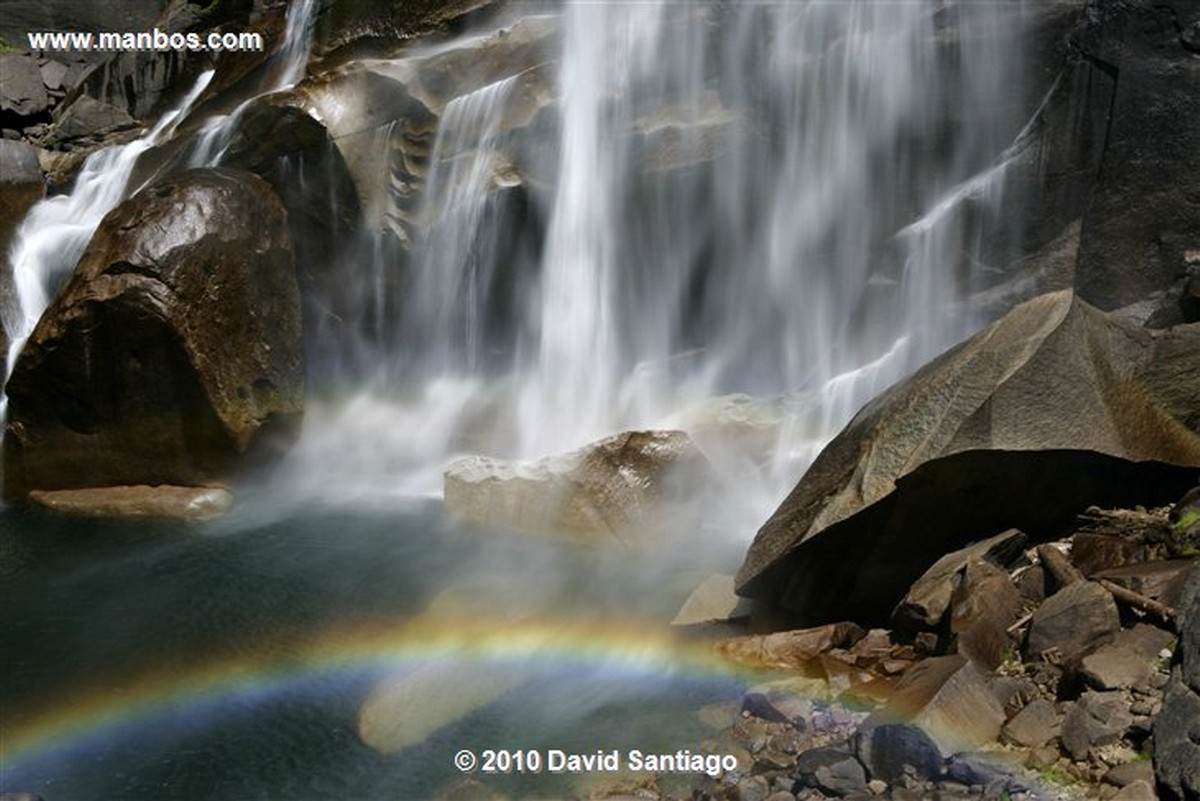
x,y
229,660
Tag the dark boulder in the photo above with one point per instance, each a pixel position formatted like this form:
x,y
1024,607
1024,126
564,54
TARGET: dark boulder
x,y
22,93
173,354
1055,407
1177,729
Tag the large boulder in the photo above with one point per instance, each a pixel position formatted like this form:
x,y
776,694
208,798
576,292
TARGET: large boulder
x,y
173,354
1055,407
629,486
1177,729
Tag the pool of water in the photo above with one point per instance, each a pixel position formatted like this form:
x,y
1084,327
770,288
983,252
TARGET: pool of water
x,y
232,659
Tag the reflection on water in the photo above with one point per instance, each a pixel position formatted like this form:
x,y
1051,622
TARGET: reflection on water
x,y
231,659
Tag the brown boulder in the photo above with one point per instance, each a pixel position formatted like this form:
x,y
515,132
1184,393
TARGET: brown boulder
x,y
172,356
951,700
630,486
1072,622
790,649
1055,407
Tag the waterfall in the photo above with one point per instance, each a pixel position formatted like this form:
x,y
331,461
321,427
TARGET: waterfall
x,y
781,201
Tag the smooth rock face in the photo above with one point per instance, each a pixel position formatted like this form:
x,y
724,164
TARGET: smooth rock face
x,y
624,486
1055,407
189,503
173,355
1073,622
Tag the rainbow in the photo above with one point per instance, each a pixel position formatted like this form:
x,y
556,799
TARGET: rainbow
x,y
86,716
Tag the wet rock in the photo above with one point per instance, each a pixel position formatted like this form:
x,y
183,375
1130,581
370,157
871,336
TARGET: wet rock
x,y
1072,622
630,486
172,356
22,92
951,699
790,649
1037,723
1013,428
185,503
1096,719
927,601
983,607
1177,728
713,600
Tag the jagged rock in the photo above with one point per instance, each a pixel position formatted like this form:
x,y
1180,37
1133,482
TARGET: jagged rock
x,y
1072,622
951,700
790,649
89,118
929,597
713,600
831,770
628,486
1177,728
1037,723
22,92
1024,425
1096,719
172,356
189,503
1115,667
984,606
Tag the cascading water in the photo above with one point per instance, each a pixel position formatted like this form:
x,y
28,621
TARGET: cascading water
x,y
767,199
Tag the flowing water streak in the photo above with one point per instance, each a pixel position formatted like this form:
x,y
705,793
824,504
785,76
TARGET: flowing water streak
x,y
292,58
54,233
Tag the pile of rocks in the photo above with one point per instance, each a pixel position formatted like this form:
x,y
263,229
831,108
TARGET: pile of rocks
x,y
1008,672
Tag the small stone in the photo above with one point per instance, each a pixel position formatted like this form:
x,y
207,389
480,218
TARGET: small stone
x,y
1037,723
877,786
753,788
